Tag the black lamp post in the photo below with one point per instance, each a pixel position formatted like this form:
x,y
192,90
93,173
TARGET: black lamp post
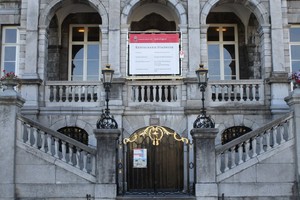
x,y
107,121
202,120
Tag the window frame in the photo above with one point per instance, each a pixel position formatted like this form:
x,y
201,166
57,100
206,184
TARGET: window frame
x,y
221,44
5,44
293,44
85,43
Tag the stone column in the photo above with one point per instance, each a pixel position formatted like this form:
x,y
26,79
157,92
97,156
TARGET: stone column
x,y
205,163
106,160
293,100
10,105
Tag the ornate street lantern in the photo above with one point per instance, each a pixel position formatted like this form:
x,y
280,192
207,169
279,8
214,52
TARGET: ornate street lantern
x,y
202,120
107,121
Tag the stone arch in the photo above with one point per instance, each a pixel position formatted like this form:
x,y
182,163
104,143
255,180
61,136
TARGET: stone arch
x,y
254,6
174,4
75,122
50,10
231,121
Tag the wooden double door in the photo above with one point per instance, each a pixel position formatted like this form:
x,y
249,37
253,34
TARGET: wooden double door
x,y
164,168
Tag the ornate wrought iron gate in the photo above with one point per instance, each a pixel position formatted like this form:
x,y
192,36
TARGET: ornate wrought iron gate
x,y
164,168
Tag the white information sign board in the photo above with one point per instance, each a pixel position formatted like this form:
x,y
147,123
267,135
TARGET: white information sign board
x,y
154,54
139,158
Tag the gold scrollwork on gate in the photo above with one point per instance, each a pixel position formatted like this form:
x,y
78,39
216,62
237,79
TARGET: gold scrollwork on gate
x,y
155,133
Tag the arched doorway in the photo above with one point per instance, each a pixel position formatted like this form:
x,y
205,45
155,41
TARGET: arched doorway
x,y
154,161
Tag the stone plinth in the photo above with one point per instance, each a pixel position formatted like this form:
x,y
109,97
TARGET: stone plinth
x,y
10,105
293,100
205,164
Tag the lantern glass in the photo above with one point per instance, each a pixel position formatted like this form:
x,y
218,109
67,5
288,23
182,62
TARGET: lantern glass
x,y
201,73
107,73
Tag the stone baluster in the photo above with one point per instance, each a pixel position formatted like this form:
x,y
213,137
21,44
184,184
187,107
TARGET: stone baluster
x,y
275,134
28,128
226,156
55,93
85,88
49,144
35,137
73,93
84,157
254,91
77,157
63,151
61,90
232,149
268,139
56,147
43,141
253,142
71,155
240,154
281,132
247,147
261,145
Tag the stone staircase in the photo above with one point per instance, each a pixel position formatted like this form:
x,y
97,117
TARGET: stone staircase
x,y
253,147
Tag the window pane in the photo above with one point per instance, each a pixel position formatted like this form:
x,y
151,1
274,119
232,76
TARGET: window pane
x,y
77,62
93,34
213,51
214,70
93,70
295,52
229,52
77,52
9,54
9,66
78,33
228,33
213,34
77,70
10,36
295,66
295,34
229,69
93,52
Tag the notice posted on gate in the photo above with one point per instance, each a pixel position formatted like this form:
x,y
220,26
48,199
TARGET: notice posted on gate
x,y
139,158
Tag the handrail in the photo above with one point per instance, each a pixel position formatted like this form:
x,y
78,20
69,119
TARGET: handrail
x,y
56,134
251,134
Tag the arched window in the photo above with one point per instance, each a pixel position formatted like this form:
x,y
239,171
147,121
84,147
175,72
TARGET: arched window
x,y
234,132
76,134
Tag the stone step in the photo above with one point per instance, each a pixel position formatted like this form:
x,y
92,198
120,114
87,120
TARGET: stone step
x,y
156,197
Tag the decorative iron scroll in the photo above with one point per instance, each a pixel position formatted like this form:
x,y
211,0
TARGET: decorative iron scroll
x,y
155,133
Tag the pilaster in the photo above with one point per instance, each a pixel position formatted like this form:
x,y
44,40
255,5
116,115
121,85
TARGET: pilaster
x,y
279,89
114,35
205,164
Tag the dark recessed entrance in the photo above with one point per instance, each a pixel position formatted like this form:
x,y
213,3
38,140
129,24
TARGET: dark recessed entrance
x,y
163,170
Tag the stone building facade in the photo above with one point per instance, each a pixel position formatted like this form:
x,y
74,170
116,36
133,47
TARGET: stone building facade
x,y
58,48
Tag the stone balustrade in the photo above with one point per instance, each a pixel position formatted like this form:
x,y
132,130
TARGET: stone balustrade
x,y
219,93
64,148
154,92
69,93
254,143
246,92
